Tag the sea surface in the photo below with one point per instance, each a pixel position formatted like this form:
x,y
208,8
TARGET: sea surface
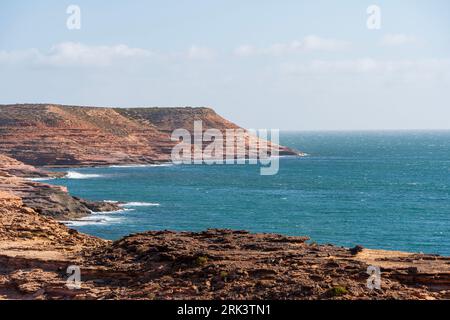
x,y
385,190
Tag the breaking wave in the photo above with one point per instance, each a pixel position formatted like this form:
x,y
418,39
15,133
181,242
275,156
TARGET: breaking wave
x,y
140,204
77,175
94,219
142,165
39,179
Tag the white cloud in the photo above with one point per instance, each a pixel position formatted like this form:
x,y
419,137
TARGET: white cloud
x,y
245,50
74,54
200,53
317,43
77,54
309,43
391,40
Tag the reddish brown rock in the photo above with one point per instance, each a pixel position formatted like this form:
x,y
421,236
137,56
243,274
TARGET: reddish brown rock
x,y
55,135
35,252
44,198
13,167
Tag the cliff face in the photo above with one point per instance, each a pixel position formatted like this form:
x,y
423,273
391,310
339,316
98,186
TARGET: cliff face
x,y
55,135
35,252
87,136
18,222
45,199
13,167
35,249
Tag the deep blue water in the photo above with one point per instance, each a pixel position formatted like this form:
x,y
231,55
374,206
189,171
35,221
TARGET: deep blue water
x,y
387,190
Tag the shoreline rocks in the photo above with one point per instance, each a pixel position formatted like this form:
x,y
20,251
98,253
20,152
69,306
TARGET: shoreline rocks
x,y
35,251
46,199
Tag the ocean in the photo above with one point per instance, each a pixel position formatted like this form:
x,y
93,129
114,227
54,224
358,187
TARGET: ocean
x,y
383,190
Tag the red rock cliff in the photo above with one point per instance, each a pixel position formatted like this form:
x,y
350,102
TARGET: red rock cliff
x,y
86,136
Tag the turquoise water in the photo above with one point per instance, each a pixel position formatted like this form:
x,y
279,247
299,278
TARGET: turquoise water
x,y
388,190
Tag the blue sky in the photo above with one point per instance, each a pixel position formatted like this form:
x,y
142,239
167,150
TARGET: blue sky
x,y
304,65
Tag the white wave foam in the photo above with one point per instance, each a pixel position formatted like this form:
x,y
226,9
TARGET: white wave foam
x,y
95,219
140,204
39,179
77,175
111,212
142,165
301,154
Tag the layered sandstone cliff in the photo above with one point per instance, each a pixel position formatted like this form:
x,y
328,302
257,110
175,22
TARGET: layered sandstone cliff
x,y
36,251
46,199
55,135
13,167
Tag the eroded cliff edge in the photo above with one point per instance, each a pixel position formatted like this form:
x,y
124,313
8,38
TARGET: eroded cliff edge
x,y
56,135
45,199
35,252
35,249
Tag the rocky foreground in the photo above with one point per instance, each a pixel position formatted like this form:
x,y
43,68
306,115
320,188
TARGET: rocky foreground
x,y
36,250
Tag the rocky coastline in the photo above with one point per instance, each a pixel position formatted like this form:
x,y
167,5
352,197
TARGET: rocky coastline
x,y
63,136
46,199
36,249
35,252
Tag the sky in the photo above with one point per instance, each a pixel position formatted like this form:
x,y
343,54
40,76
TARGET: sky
x,y
290,65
